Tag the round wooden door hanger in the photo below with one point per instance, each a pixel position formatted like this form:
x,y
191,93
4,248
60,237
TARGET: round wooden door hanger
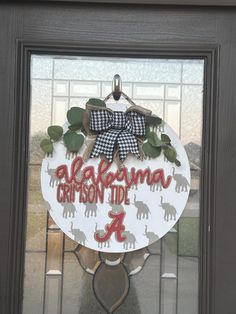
x,y
114,179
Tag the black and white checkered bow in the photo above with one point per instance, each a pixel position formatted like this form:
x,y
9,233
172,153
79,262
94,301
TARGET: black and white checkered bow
x,y
118,128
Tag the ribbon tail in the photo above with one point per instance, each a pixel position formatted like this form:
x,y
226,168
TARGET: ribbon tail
x,y
105,144
127,143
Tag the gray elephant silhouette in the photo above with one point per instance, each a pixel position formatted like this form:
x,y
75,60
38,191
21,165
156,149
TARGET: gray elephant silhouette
x,y
101,233
142,209
68,210
152,237
53,178
133,185
79,176
156,187
129,241
182,183
79,235
90,210
115,208
170,211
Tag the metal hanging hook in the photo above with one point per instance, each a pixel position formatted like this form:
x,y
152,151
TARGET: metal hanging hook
x,y
116,87
117,90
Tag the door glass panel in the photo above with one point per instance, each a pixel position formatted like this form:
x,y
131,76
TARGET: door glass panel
x,y
64,277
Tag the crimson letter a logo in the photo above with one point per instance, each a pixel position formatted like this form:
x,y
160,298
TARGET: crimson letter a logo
x,y
115,226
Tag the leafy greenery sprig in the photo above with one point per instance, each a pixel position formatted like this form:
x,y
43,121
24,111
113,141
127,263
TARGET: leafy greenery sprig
x,y
55,133
73,141
155,145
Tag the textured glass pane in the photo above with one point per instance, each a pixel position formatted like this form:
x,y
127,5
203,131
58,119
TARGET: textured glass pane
x,y
34,283
148,91
156,106
189,236
78,295
191,114
60,107
89,260
40,105
51,224
155,247
188,286
169,255
148,70
161,278
36,155
54,252
172,92
70,245
87,89
192,208
37,214
41,67
135,261
168,296
193,72
172,113
111,295
144,290
53,295
61,88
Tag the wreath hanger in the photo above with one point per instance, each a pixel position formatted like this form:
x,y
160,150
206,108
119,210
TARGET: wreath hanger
x,y
117,90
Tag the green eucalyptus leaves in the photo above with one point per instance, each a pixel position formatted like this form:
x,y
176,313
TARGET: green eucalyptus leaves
x,y
75,118
96,102
47,146
72,140
55,132
73,137
154,145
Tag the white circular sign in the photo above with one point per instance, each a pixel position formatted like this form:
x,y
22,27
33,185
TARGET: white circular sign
x,y
111,211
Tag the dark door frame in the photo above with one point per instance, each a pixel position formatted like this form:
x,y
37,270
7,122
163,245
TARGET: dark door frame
x,y
210,55
158,2
132,30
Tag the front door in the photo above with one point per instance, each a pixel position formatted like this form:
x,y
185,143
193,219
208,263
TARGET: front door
x,y
178,64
